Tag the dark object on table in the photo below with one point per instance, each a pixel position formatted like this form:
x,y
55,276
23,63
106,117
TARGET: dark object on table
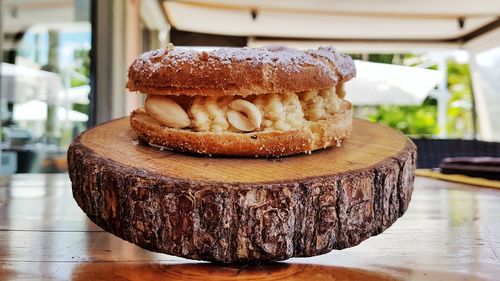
x,y
432,151
484,167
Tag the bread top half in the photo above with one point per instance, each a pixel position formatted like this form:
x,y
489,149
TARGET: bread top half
x,y
238,71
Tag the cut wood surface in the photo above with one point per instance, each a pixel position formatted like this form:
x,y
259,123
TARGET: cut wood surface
x,y
242,209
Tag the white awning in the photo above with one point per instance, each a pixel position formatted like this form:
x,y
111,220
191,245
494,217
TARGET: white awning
x,y
20,84
379,83
36,110
409,20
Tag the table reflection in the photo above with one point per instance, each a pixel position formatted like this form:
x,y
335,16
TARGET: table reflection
x,y
222,272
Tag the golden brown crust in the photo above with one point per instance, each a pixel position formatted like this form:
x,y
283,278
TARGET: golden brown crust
x,y
237,71
320,134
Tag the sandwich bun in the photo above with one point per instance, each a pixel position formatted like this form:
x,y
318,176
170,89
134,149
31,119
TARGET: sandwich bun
x,y
298,96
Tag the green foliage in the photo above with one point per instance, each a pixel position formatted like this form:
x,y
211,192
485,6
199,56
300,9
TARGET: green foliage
x,y
422,120
460,106
411,120
383,58
77,82
83,58
83,108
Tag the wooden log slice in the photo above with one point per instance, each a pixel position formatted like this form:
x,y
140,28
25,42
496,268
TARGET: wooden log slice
x,y
242,209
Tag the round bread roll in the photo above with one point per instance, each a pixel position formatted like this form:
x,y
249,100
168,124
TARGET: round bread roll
x,y
315,135
241,101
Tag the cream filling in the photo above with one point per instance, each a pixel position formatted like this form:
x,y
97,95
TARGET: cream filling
x,y
279,112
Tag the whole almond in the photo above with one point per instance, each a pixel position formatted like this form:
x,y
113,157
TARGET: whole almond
x,y
248,110
166,111
240,121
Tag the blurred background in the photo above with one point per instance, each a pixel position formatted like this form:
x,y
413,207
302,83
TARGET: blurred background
x,y
430,69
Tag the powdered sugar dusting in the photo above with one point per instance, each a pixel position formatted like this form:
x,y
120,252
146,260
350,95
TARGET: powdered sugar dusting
x,y
196,66
291,60
344,65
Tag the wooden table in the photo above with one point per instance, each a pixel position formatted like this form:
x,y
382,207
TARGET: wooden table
x,y
450,232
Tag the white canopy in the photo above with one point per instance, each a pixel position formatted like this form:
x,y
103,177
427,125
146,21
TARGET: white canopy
x,y
21,83
37,111
430,21
378,83
79,94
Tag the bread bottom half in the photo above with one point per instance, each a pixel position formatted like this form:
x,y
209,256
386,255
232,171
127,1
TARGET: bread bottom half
x,y
315,135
